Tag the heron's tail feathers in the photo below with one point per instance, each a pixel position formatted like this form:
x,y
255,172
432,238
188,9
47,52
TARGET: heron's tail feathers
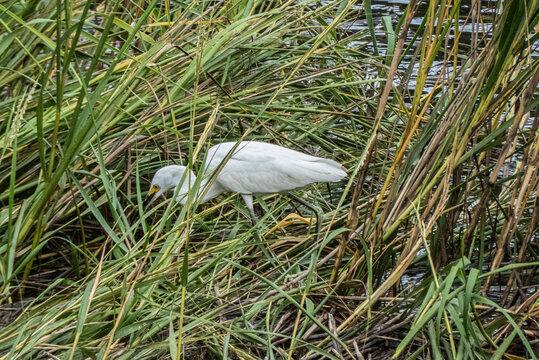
x,y
321,170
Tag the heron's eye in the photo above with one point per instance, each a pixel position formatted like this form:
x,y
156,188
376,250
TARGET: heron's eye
x,y
154,189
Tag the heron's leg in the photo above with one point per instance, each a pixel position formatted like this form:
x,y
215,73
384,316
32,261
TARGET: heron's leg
x,y
316,212
248,198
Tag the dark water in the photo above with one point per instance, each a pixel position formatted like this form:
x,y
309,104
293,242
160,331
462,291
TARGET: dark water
x,y
475,25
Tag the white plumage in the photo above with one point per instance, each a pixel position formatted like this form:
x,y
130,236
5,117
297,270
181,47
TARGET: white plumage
x,y
248,168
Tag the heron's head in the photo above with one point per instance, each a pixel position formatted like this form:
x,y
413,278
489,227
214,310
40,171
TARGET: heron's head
x,y
166,178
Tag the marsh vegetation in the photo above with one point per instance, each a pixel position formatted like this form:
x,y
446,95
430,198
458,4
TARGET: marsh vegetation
x,y
428,249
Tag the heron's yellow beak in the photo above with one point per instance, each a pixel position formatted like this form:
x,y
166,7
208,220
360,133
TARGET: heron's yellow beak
x,y
154,189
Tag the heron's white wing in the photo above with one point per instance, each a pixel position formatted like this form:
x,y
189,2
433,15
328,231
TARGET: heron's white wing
x,y
253,151
256,167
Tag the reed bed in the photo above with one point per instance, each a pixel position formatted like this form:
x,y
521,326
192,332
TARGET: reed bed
x,y
427,250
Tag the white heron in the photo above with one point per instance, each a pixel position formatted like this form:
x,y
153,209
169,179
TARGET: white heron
x,y
248,167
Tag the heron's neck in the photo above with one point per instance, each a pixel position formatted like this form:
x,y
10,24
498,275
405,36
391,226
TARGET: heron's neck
x,y
209,191
206,190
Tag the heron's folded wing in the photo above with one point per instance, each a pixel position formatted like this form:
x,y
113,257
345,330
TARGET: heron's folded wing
x,y
255,167
268,175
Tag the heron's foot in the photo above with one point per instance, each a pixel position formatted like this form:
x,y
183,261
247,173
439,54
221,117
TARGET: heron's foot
x,y
289,220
